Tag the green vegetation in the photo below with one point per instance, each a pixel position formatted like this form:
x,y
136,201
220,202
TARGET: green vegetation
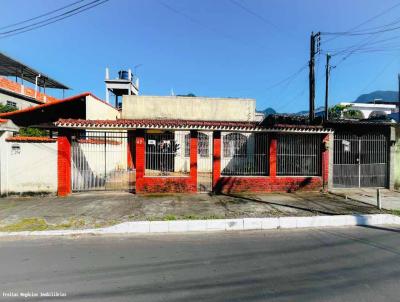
x,y
6,108
26,224
339,111
32,132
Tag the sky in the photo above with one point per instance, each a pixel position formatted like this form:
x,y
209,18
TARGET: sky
x,y
213,48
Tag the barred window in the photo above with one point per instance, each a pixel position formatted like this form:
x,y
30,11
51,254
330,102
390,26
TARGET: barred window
x,y
245,154
299,154
203,145
235,144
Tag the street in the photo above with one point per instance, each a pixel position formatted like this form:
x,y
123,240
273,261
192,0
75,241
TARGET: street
x,y
330,264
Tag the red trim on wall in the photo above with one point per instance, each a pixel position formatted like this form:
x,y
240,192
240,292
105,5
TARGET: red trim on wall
x,y
131,150
325,161
273,145
271,183
155,184
64,164
216,158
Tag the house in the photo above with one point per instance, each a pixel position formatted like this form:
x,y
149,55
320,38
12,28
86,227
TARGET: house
x,y
368,110
19,93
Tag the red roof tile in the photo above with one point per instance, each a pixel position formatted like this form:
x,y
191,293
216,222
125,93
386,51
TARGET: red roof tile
x,y
2,121
39,139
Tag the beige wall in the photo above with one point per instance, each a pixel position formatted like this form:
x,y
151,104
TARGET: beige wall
x,y
98,110
188,108
28,167
21,103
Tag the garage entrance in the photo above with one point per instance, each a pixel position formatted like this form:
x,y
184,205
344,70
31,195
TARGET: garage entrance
x,y
360,160
100,162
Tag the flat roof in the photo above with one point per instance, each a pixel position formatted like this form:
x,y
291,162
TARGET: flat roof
x,y
12,67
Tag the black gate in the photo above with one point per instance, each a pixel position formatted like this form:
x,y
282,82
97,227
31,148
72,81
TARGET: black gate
x,y
360,160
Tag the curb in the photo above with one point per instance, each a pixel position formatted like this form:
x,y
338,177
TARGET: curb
x,y
242,224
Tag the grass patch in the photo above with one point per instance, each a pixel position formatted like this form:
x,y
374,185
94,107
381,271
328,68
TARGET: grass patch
x,y
26,224
395,212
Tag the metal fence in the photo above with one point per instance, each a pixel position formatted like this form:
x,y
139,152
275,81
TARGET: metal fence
x,y
99,161
360,161
165,154
245,154
299,155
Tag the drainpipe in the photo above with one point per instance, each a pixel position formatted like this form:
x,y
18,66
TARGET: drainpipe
x,y
36,84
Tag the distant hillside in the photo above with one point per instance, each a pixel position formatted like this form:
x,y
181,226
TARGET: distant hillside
x,y
388,96
269,111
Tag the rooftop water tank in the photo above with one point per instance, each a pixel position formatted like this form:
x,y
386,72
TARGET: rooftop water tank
x,y
123,74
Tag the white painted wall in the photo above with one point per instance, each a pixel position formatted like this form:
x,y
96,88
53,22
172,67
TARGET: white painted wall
x,y
367,108
188,108
28,167
98,110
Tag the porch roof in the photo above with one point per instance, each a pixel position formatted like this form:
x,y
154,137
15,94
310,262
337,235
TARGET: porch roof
x,y
184,125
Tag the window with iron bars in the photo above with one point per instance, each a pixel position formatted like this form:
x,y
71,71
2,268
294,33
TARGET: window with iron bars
x,y
203,145
299,155
164,154
245,154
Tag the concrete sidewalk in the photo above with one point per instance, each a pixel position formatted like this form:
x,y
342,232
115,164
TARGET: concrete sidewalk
x,y
102,209
390,199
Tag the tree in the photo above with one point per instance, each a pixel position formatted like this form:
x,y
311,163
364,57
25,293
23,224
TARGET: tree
x,y
344,111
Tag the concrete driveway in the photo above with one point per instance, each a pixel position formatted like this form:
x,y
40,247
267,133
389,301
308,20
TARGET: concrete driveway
x,y
390,199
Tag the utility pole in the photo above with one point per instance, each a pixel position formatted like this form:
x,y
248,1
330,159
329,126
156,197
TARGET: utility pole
x,y
327,74
313,39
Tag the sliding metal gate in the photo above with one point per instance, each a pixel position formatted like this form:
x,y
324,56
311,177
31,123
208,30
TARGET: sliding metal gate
x,y
360,161
100,162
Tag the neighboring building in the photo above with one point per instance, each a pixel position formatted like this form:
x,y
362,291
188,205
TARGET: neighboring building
x,y
20,95
368,108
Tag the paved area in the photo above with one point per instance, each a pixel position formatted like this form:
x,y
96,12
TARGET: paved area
x,y
332,264
107,208
390,199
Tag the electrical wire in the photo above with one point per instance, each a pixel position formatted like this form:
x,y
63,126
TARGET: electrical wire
x,y
42,15
65,16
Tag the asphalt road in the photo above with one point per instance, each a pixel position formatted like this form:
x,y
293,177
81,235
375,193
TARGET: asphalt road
x,y
340,264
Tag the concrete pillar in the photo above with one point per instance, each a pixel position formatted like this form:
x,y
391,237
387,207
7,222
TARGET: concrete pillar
x,y
273,145
216,169
130,148
327,163
64,163
193,159
140,146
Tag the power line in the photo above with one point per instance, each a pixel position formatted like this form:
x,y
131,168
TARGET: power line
x,y
42,15
368,20
61,17
79,8
254,14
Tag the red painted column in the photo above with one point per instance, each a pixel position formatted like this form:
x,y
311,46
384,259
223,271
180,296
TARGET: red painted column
x,y
193,160
216,176
64,163
131,150
273,145
325,161
140,159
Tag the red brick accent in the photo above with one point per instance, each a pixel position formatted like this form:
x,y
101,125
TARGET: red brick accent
x,y
273,144
193,160
31,139
325,161
26,91
154,184
271,183
216,159
64,164
268,184
131,149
